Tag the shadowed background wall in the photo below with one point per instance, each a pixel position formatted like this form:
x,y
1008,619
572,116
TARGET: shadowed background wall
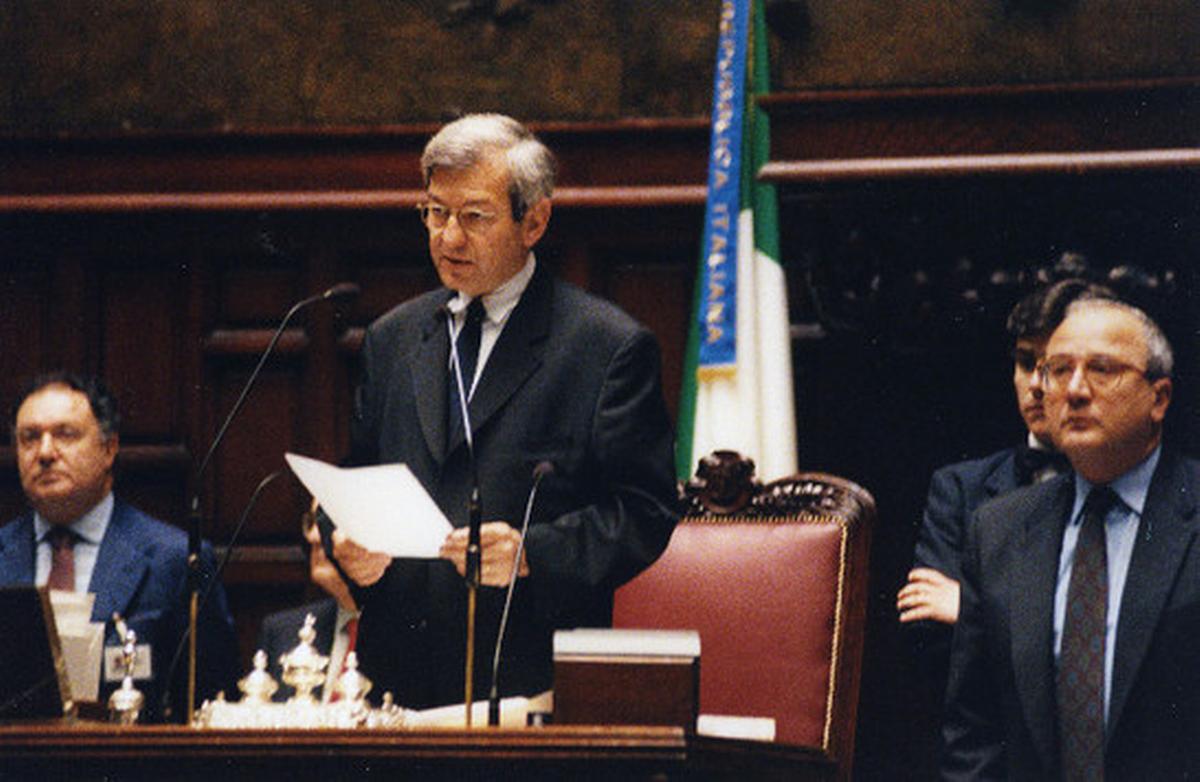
x,y
173,175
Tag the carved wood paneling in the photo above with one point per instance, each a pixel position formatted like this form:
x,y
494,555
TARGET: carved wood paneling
x,y
140,305
1000,119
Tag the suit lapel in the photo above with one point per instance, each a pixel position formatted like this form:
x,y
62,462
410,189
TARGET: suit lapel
x,y
430,376
1031,607
1165,533
16,551
120,566
1003,478
516,354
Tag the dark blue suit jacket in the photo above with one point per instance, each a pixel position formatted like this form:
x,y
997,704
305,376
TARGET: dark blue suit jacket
x,y
1000,721
955,491
279,635
572,380
141,573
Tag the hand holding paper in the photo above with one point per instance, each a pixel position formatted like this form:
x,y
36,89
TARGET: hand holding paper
x,y
364,567
383,508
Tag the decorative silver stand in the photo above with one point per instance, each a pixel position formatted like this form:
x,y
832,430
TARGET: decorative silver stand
x,y
126,702
303,668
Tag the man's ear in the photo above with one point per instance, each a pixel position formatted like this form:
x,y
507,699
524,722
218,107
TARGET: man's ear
x,y
537,219
111,445
1162,398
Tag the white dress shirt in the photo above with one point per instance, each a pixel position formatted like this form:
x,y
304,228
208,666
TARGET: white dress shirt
x,y
497,306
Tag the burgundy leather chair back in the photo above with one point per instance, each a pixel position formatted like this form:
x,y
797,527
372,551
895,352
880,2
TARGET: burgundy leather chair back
x,y
777,590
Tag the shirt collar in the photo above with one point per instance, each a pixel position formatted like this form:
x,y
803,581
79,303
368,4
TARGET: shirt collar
x,y
344,615
498,304
90,527
1034,443
1132,487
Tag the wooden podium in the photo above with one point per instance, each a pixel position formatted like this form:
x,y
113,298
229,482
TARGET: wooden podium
x,y
87,751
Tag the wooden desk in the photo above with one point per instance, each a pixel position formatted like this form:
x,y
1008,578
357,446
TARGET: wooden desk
x,y
85,751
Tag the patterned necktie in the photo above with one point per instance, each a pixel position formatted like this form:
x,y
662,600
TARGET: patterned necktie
x,y
467,347
1080,683
62,559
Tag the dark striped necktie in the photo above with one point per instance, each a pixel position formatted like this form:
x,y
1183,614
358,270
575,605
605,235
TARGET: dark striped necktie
x,y
62,558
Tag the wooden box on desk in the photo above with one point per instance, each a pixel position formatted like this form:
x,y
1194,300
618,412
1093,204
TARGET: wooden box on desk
x,y
627,677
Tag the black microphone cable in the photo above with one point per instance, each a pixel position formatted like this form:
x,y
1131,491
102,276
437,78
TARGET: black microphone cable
x,y
213,581
195,521
539,472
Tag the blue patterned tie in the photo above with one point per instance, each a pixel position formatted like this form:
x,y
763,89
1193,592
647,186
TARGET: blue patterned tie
x,y
1080,684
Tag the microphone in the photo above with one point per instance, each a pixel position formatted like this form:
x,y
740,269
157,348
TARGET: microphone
x,y
343,290
474,515
195,520
539,472
340,291
216,579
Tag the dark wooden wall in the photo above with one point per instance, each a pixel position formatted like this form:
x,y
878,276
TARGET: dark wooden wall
x,y
909,220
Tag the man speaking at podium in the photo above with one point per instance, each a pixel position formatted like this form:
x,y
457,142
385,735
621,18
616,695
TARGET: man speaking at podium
x,y
558,381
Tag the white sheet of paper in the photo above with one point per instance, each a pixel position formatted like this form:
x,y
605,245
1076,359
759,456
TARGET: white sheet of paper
x,y
383,508
81,652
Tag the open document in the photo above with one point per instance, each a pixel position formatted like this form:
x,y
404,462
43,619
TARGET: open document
x,y
383,508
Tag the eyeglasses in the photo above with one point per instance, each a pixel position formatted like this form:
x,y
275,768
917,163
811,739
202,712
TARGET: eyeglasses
x,y
470,219
1102,373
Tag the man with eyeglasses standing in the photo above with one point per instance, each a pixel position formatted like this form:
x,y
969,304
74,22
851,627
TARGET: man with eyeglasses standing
x,y
956,490
1077,651
928,602
553,376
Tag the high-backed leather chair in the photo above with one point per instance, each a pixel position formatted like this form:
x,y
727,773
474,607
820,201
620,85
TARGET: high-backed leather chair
x,y
774,577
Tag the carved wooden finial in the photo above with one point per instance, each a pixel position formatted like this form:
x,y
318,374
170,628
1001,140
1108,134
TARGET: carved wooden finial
x,y
724,484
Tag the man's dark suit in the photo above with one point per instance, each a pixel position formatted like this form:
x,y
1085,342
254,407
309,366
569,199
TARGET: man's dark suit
x,y
279,635
1000,706
573,381
141,573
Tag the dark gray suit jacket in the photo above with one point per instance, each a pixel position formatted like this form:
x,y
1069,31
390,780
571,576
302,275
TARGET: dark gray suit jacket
x,y
572,380
1000,706
141,573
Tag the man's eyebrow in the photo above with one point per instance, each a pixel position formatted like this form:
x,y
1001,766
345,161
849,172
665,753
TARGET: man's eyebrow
x,y
470,202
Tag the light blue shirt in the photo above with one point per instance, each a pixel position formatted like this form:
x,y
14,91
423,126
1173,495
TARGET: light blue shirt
x,y
1120,534
89,528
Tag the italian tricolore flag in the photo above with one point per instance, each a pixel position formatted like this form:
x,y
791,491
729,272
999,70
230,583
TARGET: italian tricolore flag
x,y
737,386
